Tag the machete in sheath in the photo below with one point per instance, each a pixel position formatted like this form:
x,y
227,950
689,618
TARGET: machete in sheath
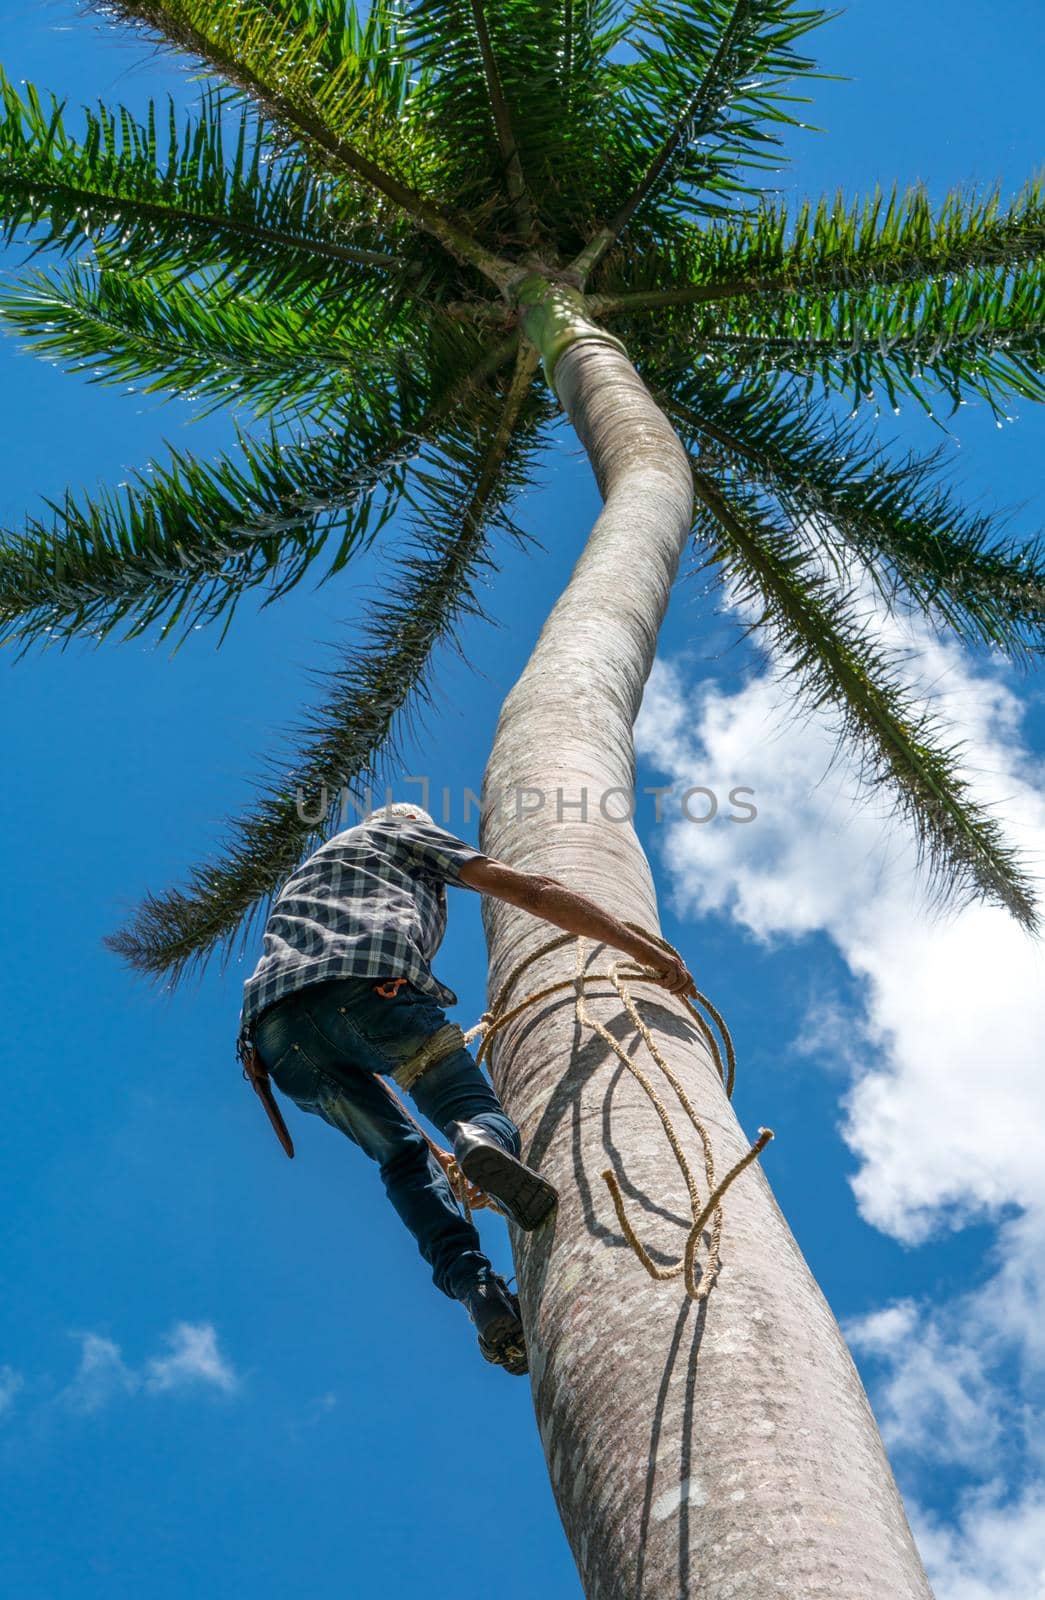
x,y
257,1076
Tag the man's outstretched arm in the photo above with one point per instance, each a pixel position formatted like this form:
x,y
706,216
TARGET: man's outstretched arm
x,y
574,913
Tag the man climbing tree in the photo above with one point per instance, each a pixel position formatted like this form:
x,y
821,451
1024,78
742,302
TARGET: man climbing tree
x,y
344,992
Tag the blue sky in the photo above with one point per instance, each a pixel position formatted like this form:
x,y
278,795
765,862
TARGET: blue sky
x,y
221,1373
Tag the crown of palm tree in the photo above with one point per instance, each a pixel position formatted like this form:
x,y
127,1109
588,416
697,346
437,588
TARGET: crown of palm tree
x,y
354,238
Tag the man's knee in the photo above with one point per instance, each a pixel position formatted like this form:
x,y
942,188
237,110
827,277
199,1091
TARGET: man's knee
x,y
408,1155
384,1142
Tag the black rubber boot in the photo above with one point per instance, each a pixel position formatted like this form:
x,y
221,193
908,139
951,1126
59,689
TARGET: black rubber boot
x,y
495,1311
525,1195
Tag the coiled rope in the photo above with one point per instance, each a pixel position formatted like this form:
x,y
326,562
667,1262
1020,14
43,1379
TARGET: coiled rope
x,y
621,975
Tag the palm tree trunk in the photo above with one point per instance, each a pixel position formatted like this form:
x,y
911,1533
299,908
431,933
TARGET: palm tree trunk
x,y
716,1449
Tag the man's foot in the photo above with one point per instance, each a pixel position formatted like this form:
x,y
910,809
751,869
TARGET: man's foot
x,y
495,1311
525,1195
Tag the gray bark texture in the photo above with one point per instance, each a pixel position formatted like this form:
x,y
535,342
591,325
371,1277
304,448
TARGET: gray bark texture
x,y
718,1449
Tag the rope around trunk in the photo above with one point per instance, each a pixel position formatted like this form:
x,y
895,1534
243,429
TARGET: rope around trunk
x,y
620,975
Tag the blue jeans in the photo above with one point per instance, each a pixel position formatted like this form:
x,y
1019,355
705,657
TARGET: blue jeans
x,y
324,1047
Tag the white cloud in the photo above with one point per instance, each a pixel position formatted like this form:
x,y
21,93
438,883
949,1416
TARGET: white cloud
x,y
994,1551
946,1058
937,1400
101,1376
10,1383
884,1333
192,1357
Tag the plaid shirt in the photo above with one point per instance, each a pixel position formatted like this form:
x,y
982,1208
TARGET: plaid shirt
x,y
370,903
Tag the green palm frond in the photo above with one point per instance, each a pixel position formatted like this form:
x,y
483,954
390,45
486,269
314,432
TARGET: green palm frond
x,y
192,338
838,669
705,99
470,56
340,78
836,244
205,196
594,149
527,92
885,292
982,334
840,490
362,44
344,118
182,542
179,544
469,484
